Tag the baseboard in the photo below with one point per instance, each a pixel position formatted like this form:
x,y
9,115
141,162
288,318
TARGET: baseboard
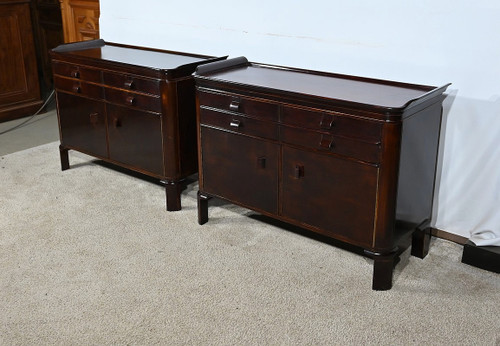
x,y
449,236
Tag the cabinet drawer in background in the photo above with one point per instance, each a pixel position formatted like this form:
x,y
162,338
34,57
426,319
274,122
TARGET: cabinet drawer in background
x,y
239,124
122,81
139,101
359,150
336,123
236,103
78,87
77,72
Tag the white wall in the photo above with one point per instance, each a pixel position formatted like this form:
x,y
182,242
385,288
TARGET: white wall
x,y
420,41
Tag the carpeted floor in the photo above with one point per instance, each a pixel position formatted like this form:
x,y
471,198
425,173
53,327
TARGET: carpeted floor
x,y
89,256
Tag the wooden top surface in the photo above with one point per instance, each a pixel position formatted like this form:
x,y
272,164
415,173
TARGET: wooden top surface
x,y
139,57
346,88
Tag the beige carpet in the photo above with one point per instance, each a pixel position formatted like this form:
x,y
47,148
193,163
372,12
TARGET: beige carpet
x,y
89,256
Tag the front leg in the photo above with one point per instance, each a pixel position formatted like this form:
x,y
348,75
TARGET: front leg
x,y
173,194
383,267
63,154
202,208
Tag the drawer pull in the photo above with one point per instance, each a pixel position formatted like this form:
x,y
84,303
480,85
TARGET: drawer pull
x,y
298,171
75,74
130,100
94,118
326,143
326,122
77,89
116,122
261,162
235,123
130,84
234,105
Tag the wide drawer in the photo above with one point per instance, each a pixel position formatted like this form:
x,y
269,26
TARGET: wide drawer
x,y
336,123
236,103
132,83
78,87
77,72
134,100
239,124
327,142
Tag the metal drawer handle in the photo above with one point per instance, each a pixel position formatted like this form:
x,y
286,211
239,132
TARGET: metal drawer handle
x,y
299,171
235,123
326,122
130,84
130,100
326,143
234,105
75,74
77,89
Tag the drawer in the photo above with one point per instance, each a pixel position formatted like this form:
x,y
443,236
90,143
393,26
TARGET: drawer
x,y
327,142
336,123
251,107
122,81
139,101
78,87
239,124
77,72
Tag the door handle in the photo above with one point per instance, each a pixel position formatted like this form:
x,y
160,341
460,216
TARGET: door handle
x,y
298,171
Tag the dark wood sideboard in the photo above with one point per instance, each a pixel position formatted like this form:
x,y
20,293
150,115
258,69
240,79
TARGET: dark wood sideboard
x,y
130,106
351,158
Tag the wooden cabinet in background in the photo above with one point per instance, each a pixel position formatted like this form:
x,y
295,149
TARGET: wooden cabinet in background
x,y
80,20
19,84
351,158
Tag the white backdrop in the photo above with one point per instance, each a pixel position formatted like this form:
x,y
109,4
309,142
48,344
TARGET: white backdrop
x,y
421,41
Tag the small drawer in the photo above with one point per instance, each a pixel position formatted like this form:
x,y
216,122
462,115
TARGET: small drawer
x,y
327,142
78,87
76,72
122,81
239,124
138,101
336,123
236,103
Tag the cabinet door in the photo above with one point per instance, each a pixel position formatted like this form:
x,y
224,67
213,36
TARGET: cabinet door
x,y
240,169
82,124
330,193
135,139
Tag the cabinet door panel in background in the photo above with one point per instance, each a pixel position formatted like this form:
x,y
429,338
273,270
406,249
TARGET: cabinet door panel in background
x,y
331,193
83,124
240,168
135,138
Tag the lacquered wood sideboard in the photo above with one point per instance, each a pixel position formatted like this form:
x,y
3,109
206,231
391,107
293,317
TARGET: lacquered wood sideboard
x,y
130,106
351,158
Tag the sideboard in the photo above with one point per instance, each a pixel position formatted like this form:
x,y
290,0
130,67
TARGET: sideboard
x,y
351,158
130,106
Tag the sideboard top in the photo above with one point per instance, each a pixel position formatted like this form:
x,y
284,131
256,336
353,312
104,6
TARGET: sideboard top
x,y
388,95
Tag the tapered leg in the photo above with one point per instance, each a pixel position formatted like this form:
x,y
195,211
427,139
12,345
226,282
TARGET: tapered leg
x,y
383,266
421,240
173,192
202,208
63,153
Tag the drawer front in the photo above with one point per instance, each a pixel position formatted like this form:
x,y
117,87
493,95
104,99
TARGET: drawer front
x,y
138,101
78,87
240,104
326,142
77,72
239,124
122,81
336,123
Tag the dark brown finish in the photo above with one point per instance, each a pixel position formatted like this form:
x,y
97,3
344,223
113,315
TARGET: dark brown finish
x,y
48,34
115,104
347,157
19,84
